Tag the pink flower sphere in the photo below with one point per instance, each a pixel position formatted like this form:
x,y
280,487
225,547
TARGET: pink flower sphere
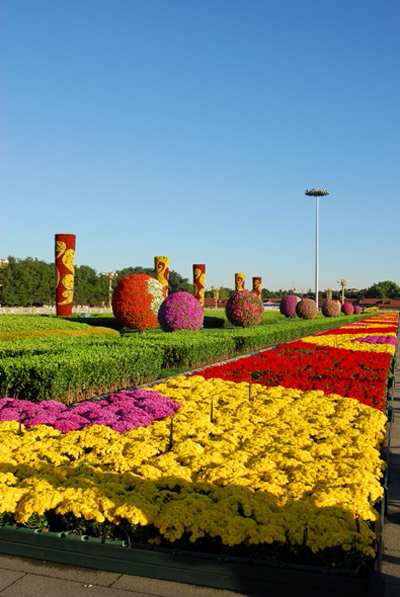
x,y
287,306
347,309
244,309
330,309
306,309
180,311
357,310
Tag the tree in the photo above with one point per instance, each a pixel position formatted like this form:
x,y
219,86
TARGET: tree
x,y
89,287
27,282
387,290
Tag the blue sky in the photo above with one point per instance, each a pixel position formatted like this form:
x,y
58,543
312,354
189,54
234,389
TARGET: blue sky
x,y
192,128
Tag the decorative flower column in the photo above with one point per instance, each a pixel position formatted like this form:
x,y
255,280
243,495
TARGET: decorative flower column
x,y
199,274
257,286
65,272
161,266
239,282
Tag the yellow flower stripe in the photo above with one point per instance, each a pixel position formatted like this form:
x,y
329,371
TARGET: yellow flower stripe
x,y
263,468
348,341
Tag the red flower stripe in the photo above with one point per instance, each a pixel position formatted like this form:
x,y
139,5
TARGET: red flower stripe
x,y
304,366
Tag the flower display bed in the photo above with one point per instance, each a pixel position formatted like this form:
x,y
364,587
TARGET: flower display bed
x,y
251,485
69,368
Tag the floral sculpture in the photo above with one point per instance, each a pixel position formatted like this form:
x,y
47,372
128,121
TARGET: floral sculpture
x,y
347,309
199,273
306,309
65,272
330,309
180,311
244,309
161,267
287,306
357,310
239,282
257,285
136,300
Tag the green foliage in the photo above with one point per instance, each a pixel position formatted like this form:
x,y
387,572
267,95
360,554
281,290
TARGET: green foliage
x,y
27,282
185,349
17,323
70,368
89,287
387,289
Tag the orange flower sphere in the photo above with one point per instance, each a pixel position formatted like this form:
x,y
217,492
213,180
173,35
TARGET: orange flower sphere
x,y
136,300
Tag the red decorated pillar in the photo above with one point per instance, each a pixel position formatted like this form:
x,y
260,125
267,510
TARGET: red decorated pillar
x,y
161,266
257,286
199,275
239,282
65,272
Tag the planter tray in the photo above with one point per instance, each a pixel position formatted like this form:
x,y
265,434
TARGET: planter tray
x,y
234,574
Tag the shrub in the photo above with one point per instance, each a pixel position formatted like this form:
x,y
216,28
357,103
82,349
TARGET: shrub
x,y
136,300
347,309
357,310
180,311
244,309
306,309
330,309
287,306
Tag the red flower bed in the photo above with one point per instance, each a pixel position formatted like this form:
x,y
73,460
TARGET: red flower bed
x,y
304,366
360,330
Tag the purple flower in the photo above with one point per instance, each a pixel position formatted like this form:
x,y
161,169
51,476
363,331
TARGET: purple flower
x,y
121,412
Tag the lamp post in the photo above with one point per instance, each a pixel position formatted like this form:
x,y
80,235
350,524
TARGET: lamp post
x,y
316,193
110,276
343,283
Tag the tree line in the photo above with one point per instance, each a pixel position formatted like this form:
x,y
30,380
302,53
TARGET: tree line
x,y
30,281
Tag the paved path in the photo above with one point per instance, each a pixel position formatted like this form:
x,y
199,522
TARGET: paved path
x,y
391,530
23,577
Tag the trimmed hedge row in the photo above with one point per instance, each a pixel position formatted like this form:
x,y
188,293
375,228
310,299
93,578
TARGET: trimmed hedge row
x,y
86,331
84,372
75,368
19,323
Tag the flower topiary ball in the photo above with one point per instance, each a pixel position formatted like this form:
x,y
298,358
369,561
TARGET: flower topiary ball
x,y
180,311
306,309
244,309
357,310
287,306
330,309
136,300
347,309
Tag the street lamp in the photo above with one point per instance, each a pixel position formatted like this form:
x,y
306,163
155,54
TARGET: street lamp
x,y
316,193
111,276
343,283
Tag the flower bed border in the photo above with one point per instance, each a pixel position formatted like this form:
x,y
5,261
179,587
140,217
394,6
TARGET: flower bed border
x,y
220,572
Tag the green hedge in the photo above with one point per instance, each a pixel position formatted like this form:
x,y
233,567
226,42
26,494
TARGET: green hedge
x,y
19,323
188,349
70,368
84,372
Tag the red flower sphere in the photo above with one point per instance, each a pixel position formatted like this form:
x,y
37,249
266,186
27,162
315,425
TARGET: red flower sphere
x,y
244,309
136,300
